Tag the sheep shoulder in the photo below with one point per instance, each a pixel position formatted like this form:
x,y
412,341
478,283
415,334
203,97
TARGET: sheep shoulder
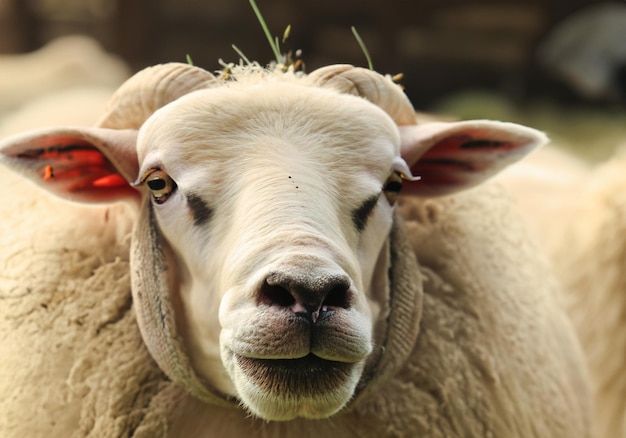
x,y
64,307
584,236
491,311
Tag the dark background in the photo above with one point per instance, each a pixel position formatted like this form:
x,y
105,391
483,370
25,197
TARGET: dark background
x,y
441,46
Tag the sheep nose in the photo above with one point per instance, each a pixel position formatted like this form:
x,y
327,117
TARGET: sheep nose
x,y
306,296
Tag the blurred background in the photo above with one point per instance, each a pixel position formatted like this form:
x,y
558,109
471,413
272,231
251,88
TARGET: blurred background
x,y
559,65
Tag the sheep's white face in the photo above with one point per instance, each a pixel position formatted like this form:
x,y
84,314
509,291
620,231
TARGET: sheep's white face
x,y
277,201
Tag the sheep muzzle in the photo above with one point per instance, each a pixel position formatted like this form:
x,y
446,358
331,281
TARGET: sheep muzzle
x,y
306,297
303,332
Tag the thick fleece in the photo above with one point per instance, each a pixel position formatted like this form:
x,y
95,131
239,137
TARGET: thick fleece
x,y
72,359
584,232
492,328
489,332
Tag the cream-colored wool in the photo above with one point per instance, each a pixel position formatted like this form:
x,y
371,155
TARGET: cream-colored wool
x,y
580,220
65,63
487,333
467,339
80,106
74,363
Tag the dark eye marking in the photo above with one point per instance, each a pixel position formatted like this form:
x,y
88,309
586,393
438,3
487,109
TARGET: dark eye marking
x,y
201,212
362,213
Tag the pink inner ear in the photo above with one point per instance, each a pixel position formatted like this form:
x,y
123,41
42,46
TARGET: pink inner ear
x,y
114,180
78,166
74,168
465,160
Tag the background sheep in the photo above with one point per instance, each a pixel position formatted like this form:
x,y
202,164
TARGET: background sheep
x,y
65,63
577,213
67,82
469,342
81,106
593,62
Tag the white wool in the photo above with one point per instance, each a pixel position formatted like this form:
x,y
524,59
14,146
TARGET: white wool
x,y
77,106
437,317
91,380
577,214
67,62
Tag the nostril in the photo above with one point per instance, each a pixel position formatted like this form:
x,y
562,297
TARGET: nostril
x,y
275,295
337,297
307,295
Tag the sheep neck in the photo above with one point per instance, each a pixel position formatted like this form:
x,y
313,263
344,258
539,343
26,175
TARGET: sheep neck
x,y
403,321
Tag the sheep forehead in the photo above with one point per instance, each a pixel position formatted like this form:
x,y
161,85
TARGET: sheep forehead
x,y
244,123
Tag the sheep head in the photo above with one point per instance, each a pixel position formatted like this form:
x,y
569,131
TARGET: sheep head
x,y
261,251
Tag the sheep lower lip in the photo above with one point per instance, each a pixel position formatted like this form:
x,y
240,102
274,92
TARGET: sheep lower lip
x,y
305,376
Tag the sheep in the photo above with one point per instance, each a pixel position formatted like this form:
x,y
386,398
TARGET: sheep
x,y
82,106
64,63
281,285
585,52
576,212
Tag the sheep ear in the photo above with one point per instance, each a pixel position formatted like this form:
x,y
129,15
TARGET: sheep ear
x,y
449,157
89,165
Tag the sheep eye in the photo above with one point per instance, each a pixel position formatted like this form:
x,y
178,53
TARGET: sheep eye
x,y
161,186
392,187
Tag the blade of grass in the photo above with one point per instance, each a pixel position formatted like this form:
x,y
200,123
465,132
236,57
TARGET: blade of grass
x,y
363,48
268,35
241,55
277,45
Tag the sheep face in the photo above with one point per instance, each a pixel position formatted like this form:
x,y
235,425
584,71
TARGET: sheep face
x,y
277,209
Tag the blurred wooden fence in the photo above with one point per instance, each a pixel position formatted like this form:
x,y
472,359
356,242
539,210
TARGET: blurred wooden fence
x,y
440,45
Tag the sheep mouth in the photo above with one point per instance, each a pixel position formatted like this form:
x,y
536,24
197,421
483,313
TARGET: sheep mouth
x,y
306,376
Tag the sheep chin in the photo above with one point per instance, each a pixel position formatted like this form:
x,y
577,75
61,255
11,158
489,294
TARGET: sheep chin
x,y
281,389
